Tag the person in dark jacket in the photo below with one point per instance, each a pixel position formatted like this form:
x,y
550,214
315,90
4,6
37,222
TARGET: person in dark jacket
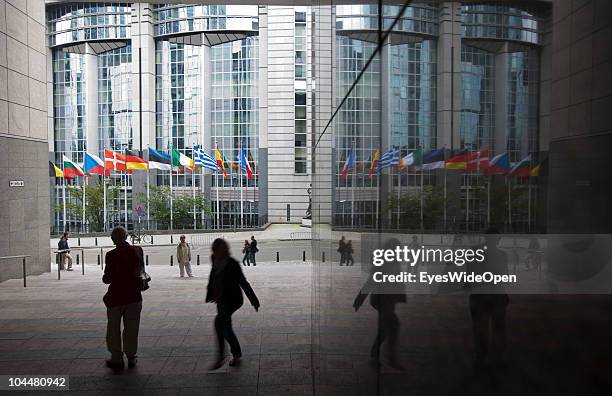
x,y
225,285
246,249
254,250
123,299
488,305
342,250
65,256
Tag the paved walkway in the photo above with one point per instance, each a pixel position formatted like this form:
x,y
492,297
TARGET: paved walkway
x,y
274,232
557,345
58,327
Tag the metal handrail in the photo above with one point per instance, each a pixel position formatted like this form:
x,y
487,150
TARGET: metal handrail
x,y
23,257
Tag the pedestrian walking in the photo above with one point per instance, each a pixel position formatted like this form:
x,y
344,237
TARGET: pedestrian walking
x,y
183,256
349,254
123,300
225,286
342,250
253,250
488,305
246,250
65,257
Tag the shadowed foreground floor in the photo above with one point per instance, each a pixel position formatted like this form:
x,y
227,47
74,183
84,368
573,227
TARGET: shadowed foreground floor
x,y
557,345
58,327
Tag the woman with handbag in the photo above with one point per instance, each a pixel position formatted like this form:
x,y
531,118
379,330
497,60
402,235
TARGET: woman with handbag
x,y
246,250
225,286
124,274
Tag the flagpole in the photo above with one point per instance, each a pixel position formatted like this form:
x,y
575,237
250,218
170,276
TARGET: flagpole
x,y
125,196
489,201
422,176
477,177
104,192
445,196
399,194
529,207
509,206
171,199
377,198
64,192
217,184
84,198
148,193
202,187
467,194
240,181
354,155
193,187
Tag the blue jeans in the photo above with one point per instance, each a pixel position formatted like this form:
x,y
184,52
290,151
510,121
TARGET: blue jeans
x,y
252,258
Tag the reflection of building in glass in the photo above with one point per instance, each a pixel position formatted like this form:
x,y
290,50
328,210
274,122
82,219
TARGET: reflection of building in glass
x,y
402,81
469,82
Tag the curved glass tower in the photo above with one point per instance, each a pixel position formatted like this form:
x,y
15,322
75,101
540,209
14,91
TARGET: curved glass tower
x,y
393,105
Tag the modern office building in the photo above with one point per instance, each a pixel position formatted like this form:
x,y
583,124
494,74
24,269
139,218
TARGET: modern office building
x,y
450,75
470,76
132,76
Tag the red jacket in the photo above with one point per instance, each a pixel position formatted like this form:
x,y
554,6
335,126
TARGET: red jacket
x,y
122,274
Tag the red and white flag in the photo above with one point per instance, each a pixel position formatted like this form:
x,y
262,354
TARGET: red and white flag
x,y
114,161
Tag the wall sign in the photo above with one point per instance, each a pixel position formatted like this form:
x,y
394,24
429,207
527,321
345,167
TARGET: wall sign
x,y
16,183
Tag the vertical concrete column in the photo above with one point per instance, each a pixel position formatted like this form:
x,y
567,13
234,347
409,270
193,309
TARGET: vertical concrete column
x,y
262,154
91,100
501,99
449,75
386,178
545,68
51,134
205,136
324,40
143,75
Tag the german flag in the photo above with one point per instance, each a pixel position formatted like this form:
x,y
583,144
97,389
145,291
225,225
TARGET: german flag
x,y
458,161
134,162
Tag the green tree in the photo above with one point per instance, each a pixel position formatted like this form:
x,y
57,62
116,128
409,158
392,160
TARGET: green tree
x,y
182,206
410,209
94,204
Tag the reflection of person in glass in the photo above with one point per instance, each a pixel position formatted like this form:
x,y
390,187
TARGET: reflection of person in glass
x,y
342,249
383,301
534,256
488,304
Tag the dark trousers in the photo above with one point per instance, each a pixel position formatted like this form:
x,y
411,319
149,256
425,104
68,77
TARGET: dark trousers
x,y
223,328
388,330
489,325
246,258
252,258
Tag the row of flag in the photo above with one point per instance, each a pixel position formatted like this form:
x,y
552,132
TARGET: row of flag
x,y
465,160
129,161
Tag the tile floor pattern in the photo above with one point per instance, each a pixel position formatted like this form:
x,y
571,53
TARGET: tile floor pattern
x,y
558,345
58,327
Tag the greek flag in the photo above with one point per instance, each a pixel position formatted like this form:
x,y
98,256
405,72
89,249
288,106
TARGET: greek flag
x,y
202,159
390,158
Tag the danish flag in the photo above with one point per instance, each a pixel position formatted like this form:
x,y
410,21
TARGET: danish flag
x,y
113,161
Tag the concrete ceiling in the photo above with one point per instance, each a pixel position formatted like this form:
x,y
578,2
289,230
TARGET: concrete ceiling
x,y
305,2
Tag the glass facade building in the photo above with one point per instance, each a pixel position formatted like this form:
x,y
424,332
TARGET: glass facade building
x,y
198,75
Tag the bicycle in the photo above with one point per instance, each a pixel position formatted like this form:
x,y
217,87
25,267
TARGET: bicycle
x,y
140,238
